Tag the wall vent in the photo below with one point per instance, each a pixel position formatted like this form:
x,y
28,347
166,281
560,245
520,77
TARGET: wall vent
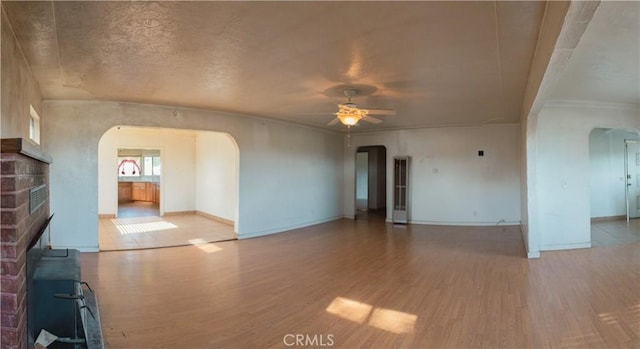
x,y
37,197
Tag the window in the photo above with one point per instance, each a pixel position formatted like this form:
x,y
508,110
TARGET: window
x,y
136,166
34,125
148,166
151,166
156,165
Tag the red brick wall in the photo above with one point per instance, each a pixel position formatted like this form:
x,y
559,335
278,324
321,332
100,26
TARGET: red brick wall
x,y
19,173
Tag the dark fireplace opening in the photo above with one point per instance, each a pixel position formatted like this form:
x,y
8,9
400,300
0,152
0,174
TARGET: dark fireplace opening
x,y
35,249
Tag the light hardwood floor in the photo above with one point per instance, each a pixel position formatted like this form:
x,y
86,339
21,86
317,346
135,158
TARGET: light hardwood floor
x,y
370,285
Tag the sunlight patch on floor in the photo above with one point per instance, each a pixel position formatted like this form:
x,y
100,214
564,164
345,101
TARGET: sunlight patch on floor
x,y
381,318
632,315
135,228
585,340
349,309
205,246
392,320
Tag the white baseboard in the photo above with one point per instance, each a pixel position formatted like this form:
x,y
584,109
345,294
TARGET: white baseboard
x,y
530,254
461,224
286,228
571,246
79,248
216,218
467,224
607,218
535,254
179,213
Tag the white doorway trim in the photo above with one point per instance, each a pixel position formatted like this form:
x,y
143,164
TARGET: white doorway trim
x,y
628,180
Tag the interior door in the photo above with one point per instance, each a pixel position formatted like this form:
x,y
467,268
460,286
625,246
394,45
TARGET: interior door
x,y
632,169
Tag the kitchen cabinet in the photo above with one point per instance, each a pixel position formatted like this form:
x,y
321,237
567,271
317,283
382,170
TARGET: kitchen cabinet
x,y
124,192
150,192
139,191
157,194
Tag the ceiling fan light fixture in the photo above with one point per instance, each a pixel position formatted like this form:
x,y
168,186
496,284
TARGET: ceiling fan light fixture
x,y
348,118
349,114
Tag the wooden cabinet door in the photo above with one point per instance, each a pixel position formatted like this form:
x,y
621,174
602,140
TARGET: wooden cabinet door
x,y
124,192
139,192
149,191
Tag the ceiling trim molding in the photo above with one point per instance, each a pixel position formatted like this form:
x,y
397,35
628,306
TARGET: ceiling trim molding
x,y
591,104
472,125
201,110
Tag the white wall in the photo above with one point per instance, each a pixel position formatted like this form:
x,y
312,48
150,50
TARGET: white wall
x,y
560,217
216,178
177,151
290,176
606,171
449,183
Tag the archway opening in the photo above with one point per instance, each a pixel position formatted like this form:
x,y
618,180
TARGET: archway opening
x,y
195,187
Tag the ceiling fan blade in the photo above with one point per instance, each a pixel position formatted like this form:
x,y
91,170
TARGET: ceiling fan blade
x,y
381,111
315,113
333,122
371,119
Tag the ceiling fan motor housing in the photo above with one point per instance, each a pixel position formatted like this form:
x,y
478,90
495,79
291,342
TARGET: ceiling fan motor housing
x,y
350,92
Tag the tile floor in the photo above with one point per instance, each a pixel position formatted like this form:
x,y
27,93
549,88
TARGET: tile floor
x,y
137,228
616,232
138,209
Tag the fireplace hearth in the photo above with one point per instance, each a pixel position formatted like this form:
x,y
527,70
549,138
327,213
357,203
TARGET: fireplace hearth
x,y
23,168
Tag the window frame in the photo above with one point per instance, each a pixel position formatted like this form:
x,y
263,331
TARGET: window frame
x,y
34,125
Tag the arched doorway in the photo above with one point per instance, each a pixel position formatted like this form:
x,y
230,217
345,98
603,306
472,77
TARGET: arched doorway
x,y
195,187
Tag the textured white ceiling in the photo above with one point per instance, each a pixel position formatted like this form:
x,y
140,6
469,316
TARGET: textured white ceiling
x,y
605,65
436,63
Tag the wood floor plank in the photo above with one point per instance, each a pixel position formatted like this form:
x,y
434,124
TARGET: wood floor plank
x,y
373,285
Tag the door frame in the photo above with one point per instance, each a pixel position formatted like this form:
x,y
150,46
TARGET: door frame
x,y
626,173
161,202
367,180
385,158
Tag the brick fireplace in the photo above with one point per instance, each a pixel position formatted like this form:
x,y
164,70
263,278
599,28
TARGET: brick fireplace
x,y
24,176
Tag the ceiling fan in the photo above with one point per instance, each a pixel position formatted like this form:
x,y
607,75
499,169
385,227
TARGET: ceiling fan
x,y
349,114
